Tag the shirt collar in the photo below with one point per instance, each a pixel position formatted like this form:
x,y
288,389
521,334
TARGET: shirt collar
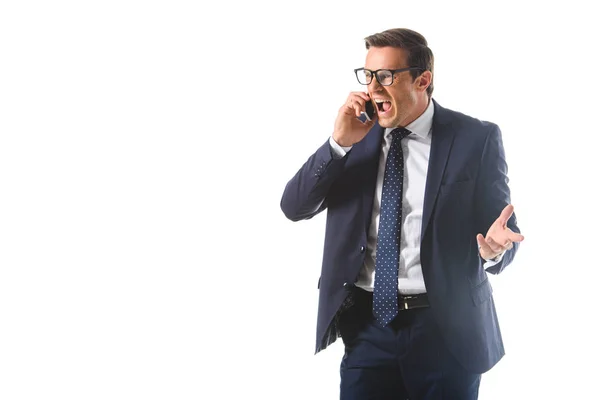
x,y
422,125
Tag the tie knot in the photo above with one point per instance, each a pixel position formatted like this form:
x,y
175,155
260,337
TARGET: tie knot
x,y
400,133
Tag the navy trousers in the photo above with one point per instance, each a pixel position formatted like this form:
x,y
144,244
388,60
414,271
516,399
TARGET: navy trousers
x,y
407,359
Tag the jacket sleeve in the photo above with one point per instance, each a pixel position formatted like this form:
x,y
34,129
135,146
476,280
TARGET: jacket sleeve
x,y
493,193
305,195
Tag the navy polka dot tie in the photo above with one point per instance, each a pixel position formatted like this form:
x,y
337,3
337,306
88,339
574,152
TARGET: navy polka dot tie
x,y
385,293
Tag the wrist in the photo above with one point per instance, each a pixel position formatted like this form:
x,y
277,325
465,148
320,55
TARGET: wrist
x,y
341,141
494,259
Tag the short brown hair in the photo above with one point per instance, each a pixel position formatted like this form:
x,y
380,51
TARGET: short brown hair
x,y
415,44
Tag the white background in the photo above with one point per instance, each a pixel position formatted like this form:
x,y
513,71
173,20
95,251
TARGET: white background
x,y
144,149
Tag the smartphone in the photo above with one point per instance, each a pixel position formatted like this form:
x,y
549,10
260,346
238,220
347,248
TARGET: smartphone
x,y
369,110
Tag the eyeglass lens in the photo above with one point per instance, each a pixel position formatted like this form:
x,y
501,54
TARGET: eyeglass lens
x,y
383,77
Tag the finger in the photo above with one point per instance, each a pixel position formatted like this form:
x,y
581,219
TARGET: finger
x,y
358,98
495,246
358,104
352,107
362,95
505,215
515,237
481,241
484,249
508,245
362,108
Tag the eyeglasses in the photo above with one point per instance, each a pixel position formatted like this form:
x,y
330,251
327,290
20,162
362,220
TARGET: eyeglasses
x,y
385,77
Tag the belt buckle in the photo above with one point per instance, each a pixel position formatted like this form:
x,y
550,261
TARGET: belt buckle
x,y
405,301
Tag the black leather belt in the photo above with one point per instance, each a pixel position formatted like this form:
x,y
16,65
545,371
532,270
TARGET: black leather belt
x,y
408,302
405,302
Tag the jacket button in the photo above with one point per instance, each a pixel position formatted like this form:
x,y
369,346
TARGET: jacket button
x,y
362,249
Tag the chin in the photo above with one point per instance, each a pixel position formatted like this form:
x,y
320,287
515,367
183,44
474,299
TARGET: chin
x,y
387,122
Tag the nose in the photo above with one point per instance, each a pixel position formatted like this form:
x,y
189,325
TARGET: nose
x,y
374,86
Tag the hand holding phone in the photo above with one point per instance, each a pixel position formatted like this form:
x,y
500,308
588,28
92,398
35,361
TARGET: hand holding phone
x,y
355,118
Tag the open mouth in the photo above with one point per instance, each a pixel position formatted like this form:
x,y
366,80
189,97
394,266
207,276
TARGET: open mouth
x,y
383,106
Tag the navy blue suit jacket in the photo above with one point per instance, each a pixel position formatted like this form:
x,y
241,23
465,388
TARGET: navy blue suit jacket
x,y
466,190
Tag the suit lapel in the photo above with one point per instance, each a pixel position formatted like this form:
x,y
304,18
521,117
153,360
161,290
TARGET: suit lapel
x,y
441,142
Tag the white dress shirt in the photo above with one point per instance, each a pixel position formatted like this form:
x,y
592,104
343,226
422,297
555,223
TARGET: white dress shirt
x,y
415,148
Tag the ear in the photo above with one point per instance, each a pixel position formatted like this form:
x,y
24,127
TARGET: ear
x,y
424,80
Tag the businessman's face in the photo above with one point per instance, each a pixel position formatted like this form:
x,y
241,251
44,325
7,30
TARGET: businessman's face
x,y
406,98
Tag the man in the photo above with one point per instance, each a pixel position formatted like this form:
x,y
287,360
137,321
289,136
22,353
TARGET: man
x,y
418,209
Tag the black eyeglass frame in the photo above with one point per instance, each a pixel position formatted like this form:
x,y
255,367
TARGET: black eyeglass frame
x,y
375,74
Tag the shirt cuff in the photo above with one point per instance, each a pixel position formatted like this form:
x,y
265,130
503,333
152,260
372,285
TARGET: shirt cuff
x,y
336,150
494,261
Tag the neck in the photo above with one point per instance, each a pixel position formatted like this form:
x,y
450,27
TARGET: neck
x,y
420,108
